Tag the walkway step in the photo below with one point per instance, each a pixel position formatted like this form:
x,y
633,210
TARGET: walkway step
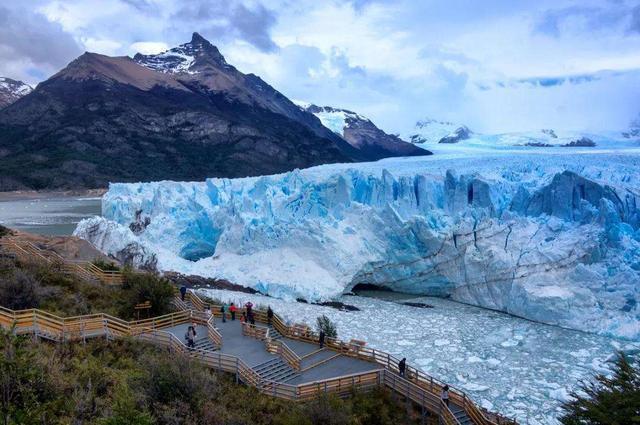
x,y
275,369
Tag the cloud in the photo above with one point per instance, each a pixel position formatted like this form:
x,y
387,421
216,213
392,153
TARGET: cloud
x,y
29,38
554,22
148,47
634,25
230,19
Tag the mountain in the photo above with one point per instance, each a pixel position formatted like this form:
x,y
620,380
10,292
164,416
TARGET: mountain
x,y
362,134
12,90
432,131
184,114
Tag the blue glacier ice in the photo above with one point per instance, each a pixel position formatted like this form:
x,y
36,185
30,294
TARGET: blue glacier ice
x,y
551,235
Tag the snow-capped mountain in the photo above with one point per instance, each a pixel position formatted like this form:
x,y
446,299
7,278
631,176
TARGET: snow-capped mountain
x,y
435,135
432,131
12,90
362,133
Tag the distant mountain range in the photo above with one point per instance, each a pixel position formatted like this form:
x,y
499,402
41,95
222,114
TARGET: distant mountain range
x,y
12,90
184,114
361,133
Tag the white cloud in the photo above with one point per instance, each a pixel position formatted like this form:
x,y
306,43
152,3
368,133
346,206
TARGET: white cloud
x,y
148,47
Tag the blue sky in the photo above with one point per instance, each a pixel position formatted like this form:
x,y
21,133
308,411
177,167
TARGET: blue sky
x,y
495,65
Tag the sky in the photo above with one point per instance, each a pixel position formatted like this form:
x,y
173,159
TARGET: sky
x,y
494,65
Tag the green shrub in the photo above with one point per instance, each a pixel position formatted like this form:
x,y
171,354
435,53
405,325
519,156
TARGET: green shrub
x,y
141,287
325,324
107,266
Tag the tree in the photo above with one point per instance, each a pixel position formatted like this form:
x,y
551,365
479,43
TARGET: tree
x,y
611,400
326,325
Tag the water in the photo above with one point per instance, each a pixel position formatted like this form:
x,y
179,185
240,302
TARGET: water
x,y
48,214
520,368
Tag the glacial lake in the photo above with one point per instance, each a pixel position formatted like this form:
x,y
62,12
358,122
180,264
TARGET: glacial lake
x,y
521,368
52,215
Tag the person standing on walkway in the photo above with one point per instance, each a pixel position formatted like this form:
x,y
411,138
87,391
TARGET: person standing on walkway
x,y
191,336
445,395
207,312
321,338
269,315
402,367
252,318
223,311
183,292
248,307
232,310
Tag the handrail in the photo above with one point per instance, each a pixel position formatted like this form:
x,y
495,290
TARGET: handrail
x,y
389,362
290,356
85,269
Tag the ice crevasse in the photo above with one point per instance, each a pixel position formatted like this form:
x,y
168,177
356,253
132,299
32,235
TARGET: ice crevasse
x,y
554,239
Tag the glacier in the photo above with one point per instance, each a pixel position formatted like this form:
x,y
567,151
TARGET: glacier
x,y
551,235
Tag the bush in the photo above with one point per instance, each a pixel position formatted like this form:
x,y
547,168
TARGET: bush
x,y
106,266
325,324
141,287
611,400
19,290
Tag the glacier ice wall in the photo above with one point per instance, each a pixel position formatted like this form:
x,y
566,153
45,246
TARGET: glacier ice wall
x,y
550,238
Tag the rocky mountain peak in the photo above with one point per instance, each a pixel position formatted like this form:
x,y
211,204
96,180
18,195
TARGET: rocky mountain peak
x,y
187,58
12,90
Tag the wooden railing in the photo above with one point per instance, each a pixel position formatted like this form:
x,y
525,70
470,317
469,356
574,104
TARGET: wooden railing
x,y
27,252
255,331
416,377
79,328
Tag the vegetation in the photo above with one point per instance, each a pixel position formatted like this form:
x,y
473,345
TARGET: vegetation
x,y
105,265
325,324
130,382
613,400
31,286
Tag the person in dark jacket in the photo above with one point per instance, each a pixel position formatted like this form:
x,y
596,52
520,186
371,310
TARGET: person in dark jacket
x,y
445,395
223,311
191,336
402,367
183,292
321,338
269,315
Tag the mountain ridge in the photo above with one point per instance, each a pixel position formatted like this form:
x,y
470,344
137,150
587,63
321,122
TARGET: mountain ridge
x,y
104,119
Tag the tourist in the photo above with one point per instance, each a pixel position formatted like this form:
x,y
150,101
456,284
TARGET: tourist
x,y
445,395
252,319
207,312
223,312
321,338
191,336
183,292
243,318
248,306
269,315
402,366
232,310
